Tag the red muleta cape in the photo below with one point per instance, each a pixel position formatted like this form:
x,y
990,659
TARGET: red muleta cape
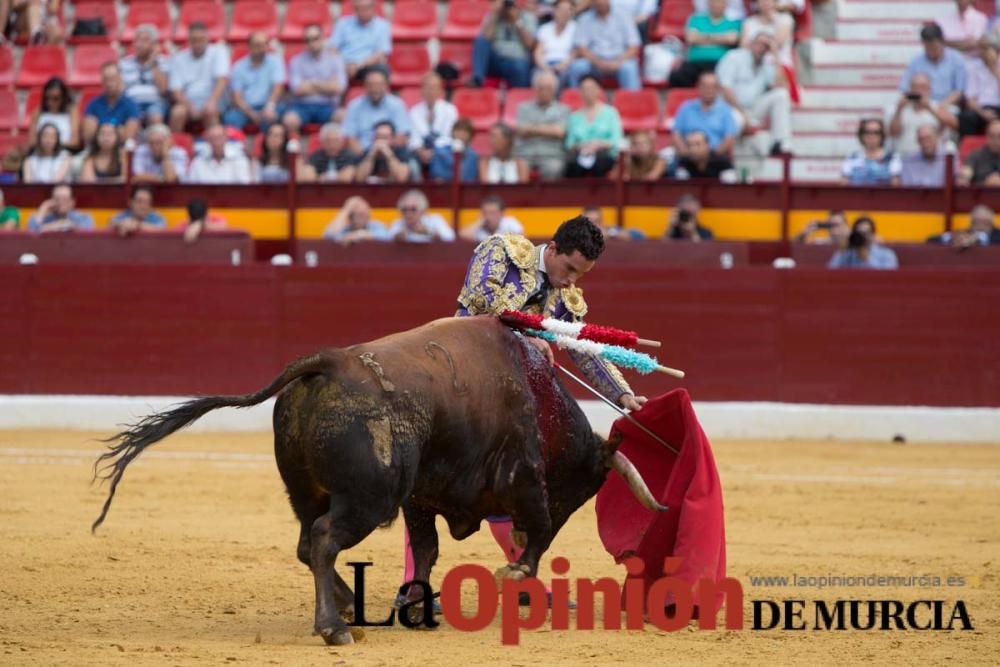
x,y
693,529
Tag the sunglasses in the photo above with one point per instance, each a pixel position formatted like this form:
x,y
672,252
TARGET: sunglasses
x,y
409,209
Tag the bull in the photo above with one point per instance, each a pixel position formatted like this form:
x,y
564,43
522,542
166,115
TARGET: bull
x,y
459,417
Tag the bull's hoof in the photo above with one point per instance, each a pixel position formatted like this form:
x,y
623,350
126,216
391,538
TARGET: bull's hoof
x,y
520,538
336,636
511,571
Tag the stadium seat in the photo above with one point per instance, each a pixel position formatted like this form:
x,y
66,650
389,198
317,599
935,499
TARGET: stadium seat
x,y
639,109
481,106
673,17
408,62
481,144
347,8
969,144
253,16
514,98
292,50
301,13
353,93
87,61
571,98
212,14
39,64
104,10
414,20
185,141
7,66
463,19
675,98
458,54
9,119
8,142
410,96
156,12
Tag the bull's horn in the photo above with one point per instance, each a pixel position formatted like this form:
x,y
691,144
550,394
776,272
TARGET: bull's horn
x,y
635,482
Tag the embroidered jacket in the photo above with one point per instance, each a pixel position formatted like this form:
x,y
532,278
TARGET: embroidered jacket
x,y
504,275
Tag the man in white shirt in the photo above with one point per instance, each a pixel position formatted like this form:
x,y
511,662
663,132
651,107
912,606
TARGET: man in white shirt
x,y
145,74
220,166
431,119
491,221
416,225
198,79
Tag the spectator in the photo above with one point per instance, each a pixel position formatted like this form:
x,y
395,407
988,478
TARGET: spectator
x,y
770,20
10,216
31,19
554,45
873,164
982,90
58,109
963,28
640,11
982,167
605,44
47,161
492,220
926,166
200,220
757,90
417,225
105,162
642,162
593,134
198,80
219,166
684,224
145,75
914,109
255,86
333,161
701,162
943,66
982,230
710,115
140,214
708,35
735,9
354,223
501,166
503,47
835,227
58,213
443,160
370,109
596,216
272,167
540,126
363,39
863,250
431,119
316,78
386,161
158,160
111,106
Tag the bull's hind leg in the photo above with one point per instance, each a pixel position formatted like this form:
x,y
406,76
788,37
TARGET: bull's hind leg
x,y
342,593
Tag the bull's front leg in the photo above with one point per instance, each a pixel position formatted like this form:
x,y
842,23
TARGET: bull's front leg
x,y
530,513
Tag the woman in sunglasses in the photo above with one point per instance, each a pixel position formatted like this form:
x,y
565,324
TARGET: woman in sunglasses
x,y
872,164
59,110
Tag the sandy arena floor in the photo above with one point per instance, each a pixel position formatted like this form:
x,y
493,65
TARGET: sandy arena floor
x,y
196,562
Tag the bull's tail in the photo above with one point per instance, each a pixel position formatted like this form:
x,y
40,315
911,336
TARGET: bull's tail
x,y
124,447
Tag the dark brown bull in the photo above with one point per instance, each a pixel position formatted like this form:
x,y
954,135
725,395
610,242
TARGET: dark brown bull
x,y
458,417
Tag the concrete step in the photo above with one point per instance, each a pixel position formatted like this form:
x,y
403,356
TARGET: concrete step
x,y
830,120
864,76
866,30
924,10
825,144
822,170
863,53
847,97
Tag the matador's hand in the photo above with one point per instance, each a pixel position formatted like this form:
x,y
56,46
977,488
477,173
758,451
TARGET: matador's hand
x,y
543,347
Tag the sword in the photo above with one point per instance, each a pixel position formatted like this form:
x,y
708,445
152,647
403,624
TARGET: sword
x,y
618,409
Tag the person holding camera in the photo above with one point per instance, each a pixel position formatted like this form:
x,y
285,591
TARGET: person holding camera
x,y
503,48
913,110
835,227
863,250
684,224
431,119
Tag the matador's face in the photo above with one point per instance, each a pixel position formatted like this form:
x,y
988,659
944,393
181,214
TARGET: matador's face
x,y
565,270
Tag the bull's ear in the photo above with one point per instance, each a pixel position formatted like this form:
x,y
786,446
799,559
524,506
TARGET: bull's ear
x,y
611,445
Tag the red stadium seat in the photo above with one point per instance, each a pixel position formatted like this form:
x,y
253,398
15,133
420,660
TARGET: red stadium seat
x,y
104,10
675,98
292,50
513,99
463,19
347,8
9,119
39,64
7,67
301,13
458,54
185,141
155,12
353,93
414,20
8,142
673,17
969,144
481,144
571,98
481,106
253,16
409,62
212,14
410,96
87,61
639,109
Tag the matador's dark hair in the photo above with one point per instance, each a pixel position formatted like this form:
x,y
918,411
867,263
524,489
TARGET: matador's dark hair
x,y
581,234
